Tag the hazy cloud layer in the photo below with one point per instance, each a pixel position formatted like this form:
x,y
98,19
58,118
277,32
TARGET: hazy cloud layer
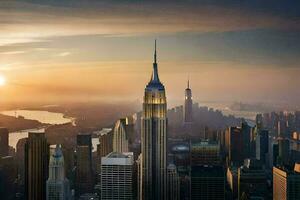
x,y
23,21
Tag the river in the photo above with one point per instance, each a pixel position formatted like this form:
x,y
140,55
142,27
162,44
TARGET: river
x,y
41,116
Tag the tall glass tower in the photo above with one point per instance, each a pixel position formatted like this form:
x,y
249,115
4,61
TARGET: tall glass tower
x,y
188,105
154,139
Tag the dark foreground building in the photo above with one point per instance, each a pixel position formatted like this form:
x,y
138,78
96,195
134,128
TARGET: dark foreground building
x,y
36,166
3,142
84,172
207,182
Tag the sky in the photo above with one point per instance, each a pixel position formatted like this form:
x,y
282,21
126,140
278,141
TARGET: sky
x,y
88,50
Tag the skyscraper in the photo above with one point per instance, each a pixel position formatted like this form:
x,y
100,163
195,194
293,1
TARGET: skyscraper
x,y
286,183
84,174
106,144
246,134
188,105
154,139
36,166
8,177
117,176
123,130
252,180
262,145
234,145
57,184
3,142
284,151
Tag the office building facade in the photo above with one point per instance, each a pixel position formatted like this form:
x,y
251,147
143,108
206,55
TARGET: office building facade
x,y
286,183
117,176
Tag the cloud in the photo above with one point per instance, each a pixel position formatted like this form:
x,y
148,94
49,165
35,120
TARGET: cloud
x,y
27,22
10,66
12,52
41,49
64,54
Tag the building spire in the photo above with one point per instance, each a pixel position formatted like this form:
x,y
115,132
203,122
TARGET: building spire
x,y
155,77
188,82
155,51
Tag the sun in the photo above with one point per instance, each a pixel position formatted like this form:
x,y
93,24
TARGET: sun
x,y
2,80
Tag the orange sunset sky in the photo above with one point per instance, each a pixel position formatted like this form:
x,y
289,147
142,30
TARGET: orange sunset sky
x,y
60,51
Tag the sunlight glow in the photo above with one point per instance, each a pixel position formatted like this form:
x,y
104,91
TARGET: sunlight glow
x,y
2,80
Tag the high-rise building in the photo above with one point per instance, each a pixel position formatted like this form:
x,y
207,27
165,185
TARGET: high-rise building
x,y
3,142
262,145
105,144
247,138
188,105
284,151
259,121
20,159
173,183
295,147
234,145
207,182
57,185
123,131
282,128
238,143
104,147
205,152
36,166
286,183
117,176
8,177
154,139
252,180
84,172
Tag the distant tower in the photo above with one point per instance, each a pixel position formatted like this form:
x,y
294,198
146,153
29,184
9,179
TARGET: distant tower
x,y
188,105
36,166
57,184
154,139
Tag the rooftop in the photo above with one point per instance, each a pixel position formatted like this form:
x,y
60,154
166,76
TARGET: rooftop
x,y
116,158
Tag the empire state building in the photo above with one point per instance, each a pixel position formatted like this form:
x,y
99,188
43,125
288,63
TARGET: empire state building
x,y
154,139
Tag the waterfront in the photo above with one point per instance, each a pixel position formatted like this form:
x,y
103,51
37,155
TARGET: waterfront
x,y
45,117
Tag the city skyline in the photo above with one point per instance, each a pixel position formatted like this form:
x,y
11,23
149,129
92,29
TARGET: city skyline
x,y
88,50
149,100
